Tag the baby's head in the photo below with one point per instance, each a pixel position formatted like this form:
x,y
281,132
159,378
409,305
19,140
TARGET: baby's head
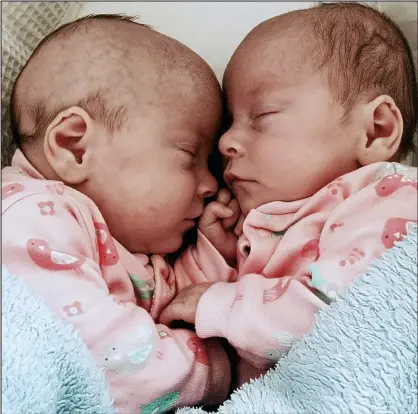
x,y
128,117
314,94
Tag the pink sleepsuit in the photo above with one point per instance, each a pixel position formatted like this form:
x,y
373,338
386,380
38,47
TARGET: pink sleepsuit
x,y
56,240
296,257
293,258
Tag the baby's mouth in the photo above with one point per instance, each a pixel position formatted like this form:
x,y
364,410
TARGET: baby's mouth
x,y
230,178
239,183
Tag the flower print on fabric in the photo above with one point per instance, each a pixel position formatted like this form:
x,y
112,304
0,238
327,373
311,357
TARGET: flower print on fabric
x,y
339,186
73,310
353,257
46,208
57,188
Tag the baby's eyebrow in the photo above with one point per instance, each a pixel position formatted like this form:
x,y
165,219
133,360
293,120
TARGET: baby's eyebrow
x,y
270,83
274,92
271,100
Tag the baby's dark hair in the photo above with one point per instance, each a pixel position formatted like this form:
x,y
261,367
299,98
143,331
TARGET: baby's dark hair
x,y
94,103
365,52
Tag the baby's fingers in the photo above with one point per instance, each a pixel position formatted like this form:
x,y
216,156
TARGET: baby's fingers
x,y
224,196
230,222
175,312
213,212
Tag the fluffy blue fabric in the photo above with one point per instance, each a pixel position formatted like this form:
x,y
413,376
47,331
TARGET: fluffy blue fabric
x,y
46,369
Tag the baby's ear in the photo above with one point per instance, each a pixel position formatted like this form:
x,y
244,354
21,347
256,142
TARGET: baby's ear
x,y
382,133
65,145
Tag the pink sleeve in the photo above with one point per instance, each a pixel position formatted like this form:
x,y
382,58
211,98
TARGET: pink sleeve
x,y
49,241
202,263
361,229
263,317
260,317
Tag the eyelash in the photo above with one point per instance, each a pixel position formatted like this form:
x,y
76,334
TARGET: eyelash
x,y
191,155
265,114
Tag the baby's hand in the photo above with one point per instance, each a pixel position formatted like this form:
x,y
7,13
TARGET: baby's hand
x,y
217,224
184,305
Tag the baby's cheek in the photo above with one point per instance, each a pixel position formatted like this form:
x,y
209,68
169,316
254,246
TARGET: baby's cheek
x,y
184,188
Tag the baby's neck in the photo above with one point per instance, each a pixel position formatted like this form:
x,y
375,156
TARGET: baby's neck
x,y
36,157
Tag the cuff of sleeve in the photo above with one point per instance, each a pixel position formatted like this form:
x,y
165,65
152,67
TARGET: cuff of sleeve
x,y
210,258
213,310
219,380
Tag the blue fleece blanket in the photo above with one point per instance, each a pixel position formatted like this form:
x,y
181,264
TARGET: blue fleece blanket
x,y
360,357
46,369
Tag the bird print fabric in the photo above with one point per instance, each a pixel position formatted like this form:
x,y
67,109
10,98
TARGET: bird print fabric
x,y
57,241
307,253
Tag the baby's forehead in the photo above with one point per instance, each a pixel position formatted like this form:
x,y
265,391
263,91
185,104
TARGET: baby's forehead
x,y
269,52
275,68
180,109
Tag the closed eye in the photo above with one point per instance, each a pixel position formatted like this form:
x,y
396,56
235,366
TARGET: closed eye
x,y
190,153
191,162
263,114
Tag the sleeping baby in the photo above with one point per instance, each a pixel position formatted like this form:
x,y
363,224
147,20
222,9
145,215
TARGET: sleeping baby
x,y
323,103
115,123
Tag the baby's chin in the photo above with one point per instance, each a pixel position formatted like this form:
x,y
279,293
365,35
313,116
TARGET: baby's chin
x,y
248,204
158,245
169,246
253,196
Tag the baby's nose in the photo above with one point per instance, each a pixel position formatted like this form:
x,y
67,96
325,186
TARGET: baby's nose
x,y
208,186
230,145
